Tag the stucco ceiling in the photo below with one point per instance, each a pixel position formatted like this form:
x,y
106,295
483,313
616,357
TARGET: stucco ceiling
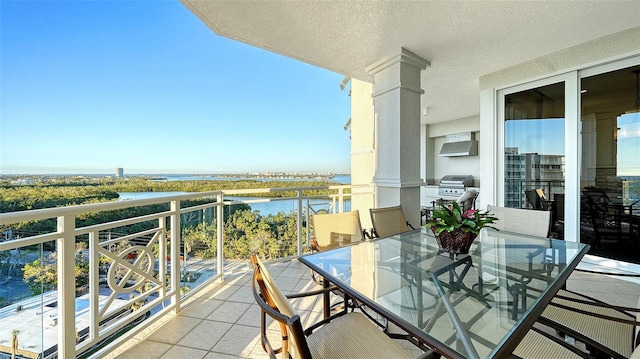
x,y
463,39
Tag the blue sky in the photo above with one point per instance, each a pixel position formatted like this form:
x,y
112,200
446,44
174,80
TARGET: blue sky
x,y
88,86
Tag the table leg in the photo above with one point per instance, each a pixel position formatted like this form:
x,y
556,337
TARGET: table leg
x,y
326,298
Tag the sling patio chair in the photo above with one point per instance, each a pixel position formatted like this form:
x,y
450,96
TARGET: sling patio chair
x,y
342,335
522,221
331,231
335,230
606,330
388,221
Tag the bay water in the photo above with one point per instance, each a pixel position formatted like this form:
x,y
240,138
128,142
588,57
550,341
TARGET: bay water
x,y
266,208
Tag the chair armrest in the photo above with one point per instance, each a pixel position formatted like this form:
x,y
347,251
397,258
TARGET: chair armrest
x,y
313,292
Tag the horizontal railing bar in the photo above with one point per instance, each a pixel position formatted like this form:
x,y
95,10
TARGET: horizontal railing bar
x,y
121,223
129,236
29,241
198,207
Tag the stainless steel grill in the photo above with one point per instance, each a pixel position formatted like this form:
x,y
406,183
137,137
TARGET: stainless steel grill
x,y
454,185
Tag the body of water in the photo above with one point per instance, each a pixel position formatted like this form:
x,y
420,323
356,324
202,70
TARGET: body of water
x,y
265,208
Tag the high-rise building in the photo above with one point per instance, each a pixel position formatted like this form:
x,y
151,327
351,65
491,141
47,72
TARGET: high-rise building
x,y
119,172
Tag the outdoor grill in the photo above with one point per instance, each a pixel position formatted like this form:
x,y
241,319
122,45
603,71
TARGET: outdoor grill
x,y
453,186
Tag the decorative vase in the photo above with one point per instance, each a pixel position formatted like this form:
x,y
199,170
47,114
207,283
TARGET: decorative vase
x,y
455,242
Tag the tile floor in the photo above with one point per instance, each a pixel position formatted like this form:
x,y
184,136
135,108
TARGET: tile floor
x,y
222,321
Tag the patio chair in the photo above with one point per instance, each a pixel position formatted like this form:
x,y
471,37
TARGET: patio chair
x,y
606,330
343,335
388,221
467,199
523,221
335,230
331,231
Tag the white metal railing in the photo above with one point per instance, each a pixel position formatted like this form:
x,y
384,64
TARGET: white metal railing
x,y
135,269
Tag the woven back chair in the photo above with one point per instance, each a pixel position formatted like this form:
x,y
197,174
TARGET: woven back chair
x,y
604,329
343,335
335,230
523,221
388,221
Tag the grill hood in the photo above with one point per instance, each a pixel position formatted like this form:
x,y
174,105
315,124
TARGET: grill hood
x,y
462,148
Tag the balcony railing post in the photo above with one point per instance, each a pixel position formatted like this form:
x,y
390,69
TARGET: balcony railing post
x,y
220,234
175,255
299,221
94,284
66,287
341,200
162,256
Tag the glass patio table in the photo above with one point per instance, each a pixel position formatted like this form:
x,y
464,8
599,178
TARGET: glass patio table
x,y
476,305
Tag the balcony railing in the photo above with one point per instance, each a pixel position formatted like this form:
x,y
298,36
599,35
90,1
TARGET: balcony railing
x,y
131,263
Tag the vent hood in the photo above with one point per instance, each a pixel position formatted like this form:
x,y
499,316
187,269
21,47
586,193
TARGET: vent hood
x,y
460,144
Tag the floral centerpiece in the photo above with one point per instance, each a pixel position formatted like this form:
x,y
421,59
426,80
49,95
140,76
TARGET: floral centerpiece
x,y
456,229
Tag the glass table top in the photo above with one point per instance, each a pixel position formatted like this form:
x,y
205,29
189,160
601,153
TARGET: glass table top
x,y
476,306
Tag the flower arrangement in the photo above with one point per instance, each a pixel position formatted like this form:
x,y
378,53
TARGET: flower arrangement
x,y
456,229
452,218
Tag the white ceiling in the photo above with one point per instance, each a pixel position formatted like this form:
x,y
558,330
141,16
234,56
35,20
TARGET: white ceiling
x,y
463,39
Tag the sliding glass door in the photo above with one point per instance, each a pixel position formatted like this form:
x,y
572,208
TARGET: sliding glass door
x,y
534,151
610,161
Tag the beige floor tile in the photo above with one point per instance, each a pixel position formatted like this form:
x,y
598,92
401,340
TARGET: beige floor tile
x,y
239,340
201,308
286,284
146,349
174,330
229,312
179,352
221,356
251,317
223,292
296,273
276,269
243,295
205,335
306,285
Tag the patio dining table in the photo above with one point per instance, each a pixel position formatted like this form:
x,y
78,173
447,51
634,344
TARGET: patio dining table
x,y
475,305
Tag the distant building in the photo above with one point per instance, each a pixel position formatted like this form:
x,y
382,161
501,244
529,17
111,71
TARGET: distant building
x,y
119,172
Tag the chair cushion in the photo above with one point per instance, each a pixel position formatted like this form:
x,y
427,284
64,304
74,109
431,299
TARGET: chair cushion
x,y
353,336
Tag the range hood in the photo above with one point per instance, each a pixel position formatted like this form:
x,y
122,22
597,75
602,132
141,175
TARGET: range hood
x,y
460,144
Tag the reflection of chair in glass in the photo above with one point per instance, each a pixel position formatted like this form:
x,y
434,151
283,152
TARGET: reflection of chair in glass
x,y
388,221
603,219
343,335
537,200
335,230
